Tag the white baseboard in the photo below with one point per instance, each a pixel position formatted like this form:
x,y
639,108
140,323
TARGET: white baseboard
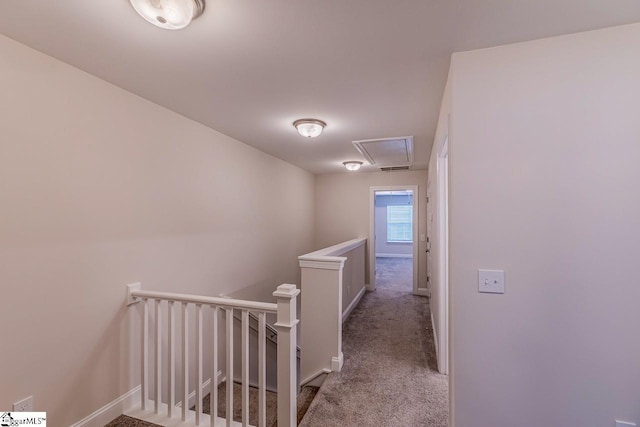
x,y
435,339
111,410
206,389
394,256
337,362
423,292
310,380
354,303
129,400
369,287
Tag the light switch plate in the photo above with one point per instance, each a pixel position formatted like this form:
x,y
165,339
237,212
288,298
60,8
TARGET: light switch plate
x,y
491,281
625,424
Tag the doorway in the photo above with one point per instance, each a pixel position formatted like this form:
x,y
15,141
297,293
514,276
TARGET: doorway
x,y
394,237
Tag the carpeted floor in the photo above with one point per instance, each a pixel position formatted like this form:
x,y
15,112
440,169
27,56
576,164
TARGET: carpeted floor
x,y
389,376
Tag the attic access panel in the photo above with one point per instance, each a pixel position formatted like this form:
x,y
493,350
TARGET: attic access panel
x,y
387,151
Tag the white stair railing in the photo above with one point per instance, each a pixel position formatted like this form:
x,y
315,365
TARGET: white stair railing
x,y
168,413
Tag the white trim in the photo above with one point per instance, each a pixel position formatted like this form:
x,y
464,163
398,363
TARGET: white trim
x,y
206,388
360,146
394,255
199,299
442,171
329,264
111,410
369,287
329,258
435,336
310,378
334,250
423,292
133,287
372,232
337,362
354,303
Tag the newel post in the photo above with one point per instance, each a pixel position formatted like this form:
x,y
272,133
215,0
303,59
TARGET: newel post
x,y
286,325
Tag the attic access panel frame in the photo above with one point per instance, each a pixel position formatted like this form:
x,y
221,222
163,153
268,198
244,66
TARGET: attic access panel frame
x,y
368,148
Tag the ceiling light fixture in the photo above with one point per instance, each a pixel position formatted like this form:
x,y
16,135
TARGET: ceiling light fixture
x,y
309,128
169,14
352,165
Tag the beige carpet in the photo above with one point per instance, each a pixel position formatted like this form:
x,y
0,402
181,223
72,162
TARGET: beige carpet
x,y
304,400
389,376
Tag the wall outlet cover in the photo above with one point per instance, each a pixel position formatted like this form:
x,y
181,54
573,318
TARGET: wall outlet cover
x,y
24,405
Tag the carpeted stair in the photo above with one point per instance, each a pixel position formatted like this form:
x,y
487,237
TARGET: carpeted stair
x,y
304,400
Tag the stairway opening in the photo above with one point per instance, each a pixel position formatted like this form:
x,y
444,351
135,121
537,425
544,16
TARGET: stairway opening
x,y
305,397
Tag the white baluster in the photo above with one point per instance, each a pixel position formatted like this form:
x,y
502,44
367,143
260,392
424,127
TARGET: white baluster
x,y
167,387
198,363
144,386
171,384
185,360
158,358
287,379
262,372
213,395
245,368
229,366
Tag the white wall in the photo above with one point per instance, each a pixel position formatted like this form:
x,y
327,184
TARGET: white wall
x,y
100,188
544,152
342,208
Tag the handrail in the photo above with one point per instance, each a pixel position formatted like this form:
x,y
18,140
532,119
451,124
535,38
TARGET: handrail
x,y
155,345
199,299
333,252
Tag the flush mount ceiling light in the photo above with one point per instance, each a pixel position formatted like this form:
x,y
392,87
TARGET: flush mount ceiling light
x,y
352,165
309,128
169,14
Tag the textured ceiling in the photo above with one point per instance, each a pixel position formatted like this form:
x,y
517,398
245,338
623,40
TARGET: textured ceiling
x,y
369,68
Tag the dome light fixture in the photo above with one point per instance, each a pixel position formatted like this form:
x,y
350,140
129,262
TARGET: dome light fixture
x,y
309,128
352,165
169,14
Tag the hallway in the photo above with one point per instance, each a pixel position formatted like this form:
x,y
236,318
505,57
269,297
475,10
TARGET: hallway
x,y
389,376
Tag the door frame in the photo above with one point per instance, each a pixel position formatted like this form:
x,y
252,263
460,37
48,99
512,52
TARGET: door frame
x,y
443,255
372,232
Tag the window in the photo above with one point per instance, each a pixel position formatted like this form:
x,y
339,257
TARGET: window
x,y
400,223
